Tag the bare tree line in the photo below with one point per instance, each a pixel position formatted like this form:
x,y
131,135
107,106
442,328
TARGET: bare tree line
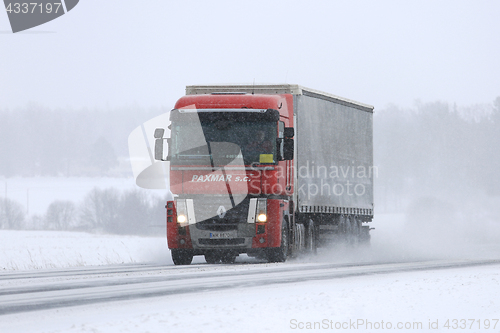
x,y
132,212
433,149
437,150
37,141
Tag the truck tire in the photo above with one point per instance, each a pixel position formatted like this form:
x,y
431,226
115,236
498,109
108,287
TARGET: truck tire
x,y
181,256
212,258
228,257
311,238
281,253
220,256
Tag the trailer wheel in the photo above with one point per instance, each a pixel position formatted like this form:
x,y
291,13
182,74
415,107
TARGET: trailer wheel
x,y
342,229
357,230
281,253
311,238
181,256
353,232
364,236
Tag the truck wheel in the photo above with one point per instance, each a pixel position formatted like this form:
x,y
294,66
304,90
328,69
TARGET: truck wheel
x,y
212,258
311,238
281,253
228,258
216,257
181,256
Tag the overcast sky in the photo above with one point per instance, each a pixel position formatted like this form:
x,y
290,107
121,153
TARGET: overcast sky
x,y
124,52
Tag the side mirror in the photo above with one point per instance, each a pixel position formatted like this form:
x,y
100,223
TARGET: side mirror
x,y
159,132
159,145
289,132
288,149
159,155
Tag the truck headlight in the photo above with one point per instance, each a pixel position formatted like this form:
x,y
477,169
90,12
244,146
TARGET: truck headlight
x,y
257,210
262,210
185,211
262,218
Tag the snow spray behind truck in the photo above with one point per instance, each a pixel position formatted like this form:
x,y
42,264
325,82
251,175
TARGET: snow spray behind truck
x,y
267,170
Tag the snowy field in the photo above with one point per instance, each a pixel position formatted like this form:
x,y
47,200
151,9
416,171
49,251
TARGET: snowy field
x,y
37,193
27,250
448,299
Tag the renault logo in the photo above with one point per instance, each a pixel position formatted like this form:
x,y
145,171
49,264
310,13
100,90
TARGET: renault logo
x,y
221,212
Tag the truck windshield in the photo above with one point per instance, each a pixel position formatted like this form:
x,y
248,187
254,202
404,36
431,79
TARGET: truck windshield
x,y
222,142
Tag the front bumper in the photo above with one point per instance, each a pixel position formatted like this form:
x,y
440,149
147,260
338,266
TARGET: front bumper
x,y
241,237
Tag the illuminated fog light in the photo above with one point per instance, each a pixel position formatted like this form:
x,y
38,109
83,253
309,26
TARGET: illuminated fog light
x,y
181,218
262,240
262,218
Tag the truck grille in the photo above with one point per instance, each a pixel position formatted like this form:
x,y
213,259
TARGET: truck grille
x,y
214,225
207,209
215,242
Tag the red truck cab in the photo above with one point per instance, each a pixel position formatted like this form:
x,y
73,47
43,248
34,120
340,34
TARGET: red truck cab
x,y
231,177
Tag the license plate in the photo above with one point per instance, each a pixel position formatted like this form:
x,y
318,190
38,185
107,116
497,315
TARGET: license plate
x,y
220,235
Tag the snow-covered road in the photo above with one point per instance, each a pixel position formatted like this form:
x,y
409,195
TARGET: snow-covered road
x,y
77,282
55,293
33,291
